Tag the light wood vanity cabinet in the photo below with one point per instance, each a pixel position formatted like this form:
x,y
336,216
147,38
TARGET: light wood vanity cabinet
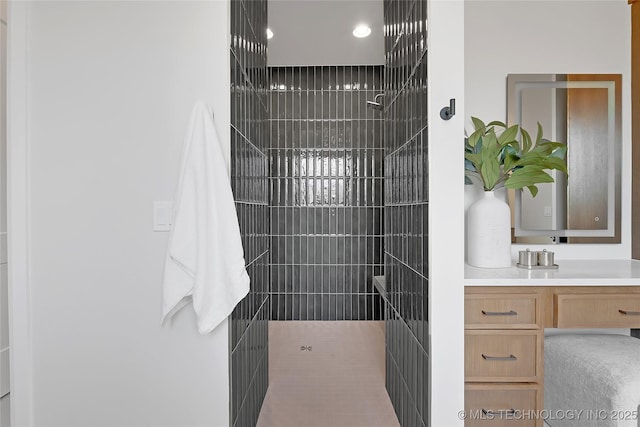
x,y
504,342
501,311
506,397
504,338
502,356
596,310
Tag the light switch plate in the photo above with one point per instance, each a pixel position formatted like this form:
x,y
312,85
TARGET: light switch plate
x,y
162,215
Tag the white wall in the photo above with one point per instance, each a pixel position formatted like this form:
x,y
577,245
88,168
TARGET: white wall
x,y
109,86
555,36
446,238
4,282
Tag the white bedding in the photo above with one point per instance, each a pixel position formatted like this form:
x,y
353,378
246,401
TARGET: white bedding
x,y
592,380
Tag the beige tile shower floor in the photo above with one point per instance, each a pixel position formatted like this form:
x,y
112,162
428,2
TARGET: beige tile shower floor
x,y
326,374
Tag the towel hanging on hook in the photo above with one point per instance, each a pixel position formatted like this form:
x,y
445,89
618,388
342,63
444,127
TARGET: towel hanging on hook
x,y
205,260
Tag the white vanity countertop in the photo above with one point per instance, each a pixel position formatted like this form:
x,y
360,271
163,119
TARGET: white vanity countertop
x,y
569,273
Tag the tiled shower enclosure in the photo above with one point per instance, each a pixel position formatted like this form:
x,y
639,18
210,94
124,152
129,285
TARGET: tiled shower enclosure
x,y
406,209
249,181
326,157
316,205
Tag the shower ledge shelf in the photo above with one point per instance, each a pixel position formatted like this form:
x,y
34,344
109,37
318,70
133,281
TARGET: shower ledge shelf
x,y
380,284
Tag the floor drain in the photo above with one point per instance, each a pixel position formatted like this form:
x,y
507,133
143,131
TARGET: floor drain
x,y
305,348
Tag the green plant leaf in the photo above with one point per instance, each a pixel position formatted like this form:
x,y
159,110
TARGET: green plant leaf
x,y
468,175
496,156
533,190
560,152
531,158
468,165
490,171
539,134
496,123
477,123
510,161
474,158
512,147
526,177
554,143
475,137
526,140
555,163
491,146
508,135
542,159
509,148
528,169
547,147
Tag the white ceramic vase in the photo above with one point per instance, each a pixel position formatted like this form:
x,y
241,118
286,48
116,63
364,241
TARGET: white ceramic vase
x,y
489,233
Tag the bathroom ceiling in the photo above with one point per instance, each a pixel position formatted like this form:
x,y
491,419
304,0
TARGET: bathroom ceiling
x,y
319,32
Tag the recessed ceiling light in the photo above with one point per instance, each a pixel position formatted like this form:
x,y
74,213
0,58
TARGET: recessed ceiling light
x,y
269,34
362,30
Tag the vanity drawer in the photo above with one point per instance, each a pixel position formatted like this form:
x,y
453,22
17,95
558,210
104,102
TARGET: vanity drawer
x,y
597,310
503,356
502,405
504,311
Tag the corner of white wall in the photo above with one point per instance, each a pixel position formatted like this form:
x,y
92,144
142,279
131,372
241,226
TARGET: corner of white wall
x,y
446,213
95,128
18,217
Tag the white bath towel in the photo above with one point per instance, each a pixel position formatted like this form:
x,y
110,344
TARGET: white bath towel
x,y
205,259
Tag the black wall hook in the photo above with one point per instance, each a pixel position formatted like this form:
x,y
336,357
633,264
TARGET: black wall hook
x,y
447,112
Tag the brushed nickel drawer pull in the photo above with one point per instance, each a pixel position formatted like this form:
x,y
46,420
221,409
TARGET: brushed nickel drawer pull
x,y
500,313
501,413
630,313
510,357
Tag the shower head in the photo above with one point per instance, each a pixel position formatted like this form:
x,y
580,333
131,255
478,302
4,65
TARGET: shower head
x,y
374,105
377,102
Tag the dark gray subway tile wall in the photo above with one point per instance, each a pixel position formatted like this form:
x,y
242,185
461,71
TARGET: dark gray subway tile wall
x,y
326,159
249,181
406,209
